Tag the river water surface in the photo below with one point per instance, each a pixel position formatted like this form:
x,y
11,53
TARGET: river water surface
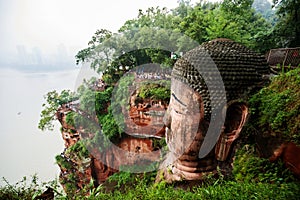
x,y
24,149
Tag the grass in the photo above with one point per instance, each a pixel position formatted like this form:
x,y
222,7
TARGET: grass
x,y
141,186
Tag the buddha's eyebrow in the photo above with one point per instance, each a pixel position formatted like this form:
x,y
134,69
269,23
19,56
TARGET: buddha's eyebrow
x,y
176,98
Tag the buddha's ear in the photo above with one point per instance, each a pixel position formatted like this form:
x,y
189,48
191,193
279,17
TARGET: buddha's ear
x,y
236,116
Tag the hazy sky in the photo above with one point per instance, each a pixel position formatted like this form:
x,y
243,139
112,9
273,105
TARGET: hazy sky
x,y
49,28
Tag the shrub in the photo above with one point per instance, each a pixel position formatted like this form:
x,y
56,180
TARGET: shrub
x,y
155,91
248,167
276,108
62,162
70,119
27,189
79,148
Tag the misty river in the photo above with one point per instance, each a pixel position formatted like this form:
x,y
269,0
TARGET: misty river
x,y
24,149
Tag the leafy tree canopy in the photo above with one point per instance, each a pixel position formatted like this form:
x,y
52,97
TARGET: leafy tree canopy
x,y
53,101
287,29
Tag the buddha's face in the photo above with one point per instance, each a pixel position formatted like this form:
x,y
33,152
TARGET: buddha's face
x,y
184,120
186,129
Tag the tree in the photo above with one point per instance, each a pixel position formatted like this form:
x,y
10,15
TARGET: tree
x,y
243,22
53,101
194,25
183,9
288,27
150,38
96,52
235,20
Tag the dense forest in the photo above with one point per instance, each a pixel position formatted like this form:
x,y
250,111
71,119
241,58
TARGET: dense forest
x,y
159,35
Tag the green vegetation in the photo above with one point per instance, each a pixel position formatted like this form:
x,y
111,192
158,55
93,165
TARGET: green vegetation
x,y
141,42
78,150
287,28
114,120
141,186
53,101
157,32
62,162
110,127
70,118
114,55
276,108
121,94
217,190
102,100
250,168
153,42
27,189
155,90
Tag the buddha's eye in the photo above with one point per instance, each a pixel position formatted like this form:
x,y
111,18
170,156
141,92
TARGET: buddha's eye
x,y
178,112
178,106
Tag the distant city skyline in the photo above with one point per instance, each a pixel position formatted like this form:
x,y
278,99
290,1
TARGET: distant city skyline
x,y
36,56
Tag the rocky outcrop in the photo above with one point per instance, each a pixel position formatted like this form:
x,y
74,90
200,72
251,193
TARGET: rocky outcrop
x,y
289,152
137,147
145,117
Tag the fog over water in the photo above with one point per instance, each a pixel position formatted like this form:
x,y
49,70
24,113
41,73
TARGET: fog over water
x,y
24,149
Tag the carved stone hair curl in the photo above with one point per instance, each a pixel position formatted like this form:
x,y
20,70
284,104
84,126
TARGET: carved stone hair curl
x,y
242,70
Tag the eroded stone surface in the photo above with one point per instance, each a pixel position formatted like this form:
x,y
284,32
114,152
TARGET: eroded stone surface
x,y
289,152
141,120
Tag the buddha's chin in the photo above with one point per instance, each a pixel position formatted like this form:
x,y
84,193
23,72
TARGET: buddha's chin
x,y
194,170
185,175
188,170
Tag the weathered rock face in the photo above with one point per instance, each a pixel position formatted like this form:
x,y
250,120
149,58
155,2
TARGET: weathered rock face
x,y
196,92
137,148
76,172
289,152
129,152
100,164
144,117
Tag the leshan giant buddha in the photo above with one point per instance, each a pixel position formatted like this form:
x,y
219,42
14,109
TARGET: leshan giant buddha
x,y
210,87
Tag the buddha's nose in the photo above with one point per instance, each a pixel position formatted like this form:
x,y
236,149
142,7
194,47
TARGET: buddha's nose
x,y
167,118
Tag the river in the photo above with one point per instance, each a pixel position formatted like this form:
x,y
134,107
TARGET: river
x,y
24,149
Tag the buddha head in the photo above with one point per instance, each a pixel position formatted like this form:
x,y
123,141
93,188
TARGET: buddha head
x,y
208,108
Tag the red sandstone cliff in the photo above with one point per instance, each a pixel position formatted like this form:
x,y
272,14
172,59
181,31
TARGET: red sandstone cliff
x,y
142,121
